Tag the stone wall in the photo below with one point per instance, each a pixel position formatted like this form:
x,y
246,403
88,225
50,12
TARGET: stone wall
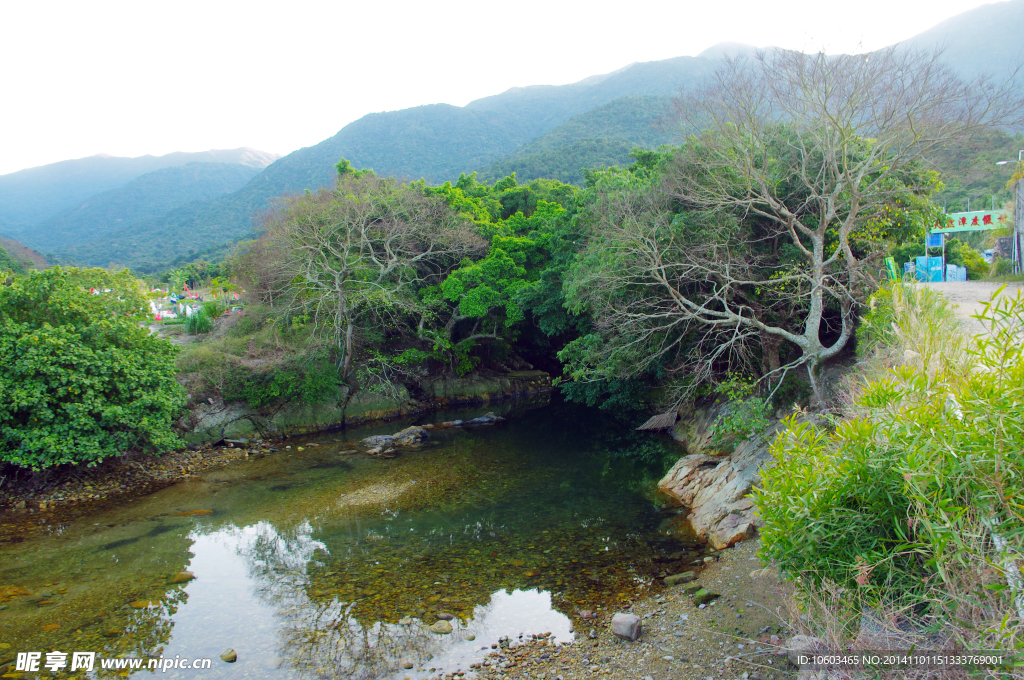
x,y
217,420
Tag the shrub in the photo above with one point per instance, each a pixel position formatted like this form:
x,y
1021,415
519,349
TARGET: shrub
x,y
1002,266
309,380
81,379
918,495
198,323
746,414
962,255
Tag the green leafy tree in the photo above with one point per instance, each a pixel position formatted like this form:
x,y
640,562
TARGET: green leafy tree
x,y
766,230
352,259
81,379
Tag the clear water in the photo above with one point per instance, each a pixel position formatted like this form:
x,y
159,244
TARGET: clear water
x,y
322,563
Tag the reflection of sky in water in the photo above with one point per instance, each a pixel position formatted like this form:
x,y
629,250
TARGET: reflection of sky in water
x,y
521,612
248,595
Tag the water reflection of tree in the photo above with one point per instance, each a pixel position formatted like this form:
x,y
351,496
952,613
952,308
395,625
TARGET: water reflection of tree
x,y
322,638
340,617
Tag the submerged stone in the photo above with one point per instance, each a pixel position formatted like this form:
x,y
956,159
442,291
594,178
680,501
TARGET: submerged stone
x,y
181,577
441,628
229,655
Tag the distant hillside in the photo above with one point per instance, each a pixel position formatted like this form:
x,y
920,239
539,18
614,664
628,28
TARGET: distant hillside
x,y
969,171
986,39
30,196
144,197
542,130
18,258
600,137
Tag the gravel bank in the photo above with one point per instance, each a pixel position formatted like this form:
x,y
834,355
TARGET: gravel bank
x,y
28,506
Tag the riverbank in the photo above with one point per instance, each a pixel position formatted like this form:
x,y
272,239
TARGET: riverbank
x,y
210,425
739,635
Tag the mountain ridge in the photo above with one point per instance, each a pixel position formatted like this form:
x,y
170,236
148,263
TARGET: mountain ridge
x,y
32,195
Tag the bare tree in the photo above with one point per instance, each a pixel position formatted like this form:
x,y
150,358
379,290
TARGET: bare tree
x,y
358,254
772,219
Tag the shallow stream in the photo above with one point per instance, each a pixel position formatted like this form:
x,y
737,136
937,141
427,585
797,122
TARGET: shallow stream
x,y
323,563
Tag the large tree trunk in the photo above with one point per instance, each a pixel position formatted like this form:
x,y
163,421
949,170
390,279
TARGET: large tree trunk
x,y
770,353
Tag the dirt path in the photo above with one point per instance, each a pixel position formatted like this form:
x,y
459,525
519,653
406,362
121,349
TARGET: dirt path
x,y
970,296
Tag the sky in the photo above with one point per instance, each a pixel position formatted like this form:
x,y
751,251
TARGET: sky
x,y
135,78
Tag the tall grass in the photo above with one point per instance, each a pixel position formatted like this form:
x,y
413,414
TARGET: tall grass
x,y
912,510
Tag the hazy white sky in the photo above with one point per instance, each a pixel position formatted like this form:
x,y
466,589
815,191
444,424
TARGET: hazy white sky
x,y
142,77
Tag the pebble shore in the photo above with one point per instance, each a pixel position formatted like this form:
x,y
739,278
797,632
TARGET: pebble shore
x,y
736,637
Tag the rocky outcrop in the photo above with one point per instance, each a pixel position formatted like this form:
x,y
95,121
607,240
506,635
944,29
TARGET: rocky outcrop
x,y
715,485
715,490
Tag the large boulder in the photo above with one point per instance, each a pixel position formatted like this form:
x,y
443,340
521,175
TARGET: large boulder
x,y
626,626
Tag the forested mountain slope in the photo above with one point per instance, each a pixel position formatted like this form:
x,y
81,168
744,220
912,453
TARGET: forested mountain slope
x,y
600,137
30,196
984,40
544,130
144,197
436,142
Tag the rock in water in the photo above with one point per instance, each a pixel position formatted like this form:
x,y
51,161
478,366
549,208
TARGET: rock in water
x,y
441,628
182,577
626,626
410,436
380,440
677,579
229,655
486,419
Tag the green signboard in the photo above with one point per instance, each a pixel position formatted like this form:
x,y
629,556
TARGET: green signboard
x,y
977,220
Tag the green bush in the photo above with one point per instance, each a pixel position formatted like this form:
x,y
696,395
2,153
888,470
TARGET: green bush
x,y
908,317
921,492
1002,266
310,380
962,255
81,379
746,414
198,323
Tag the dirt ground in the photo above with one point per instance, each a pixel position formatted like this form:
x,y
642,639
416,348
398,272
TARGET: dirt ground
x,y
970,296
